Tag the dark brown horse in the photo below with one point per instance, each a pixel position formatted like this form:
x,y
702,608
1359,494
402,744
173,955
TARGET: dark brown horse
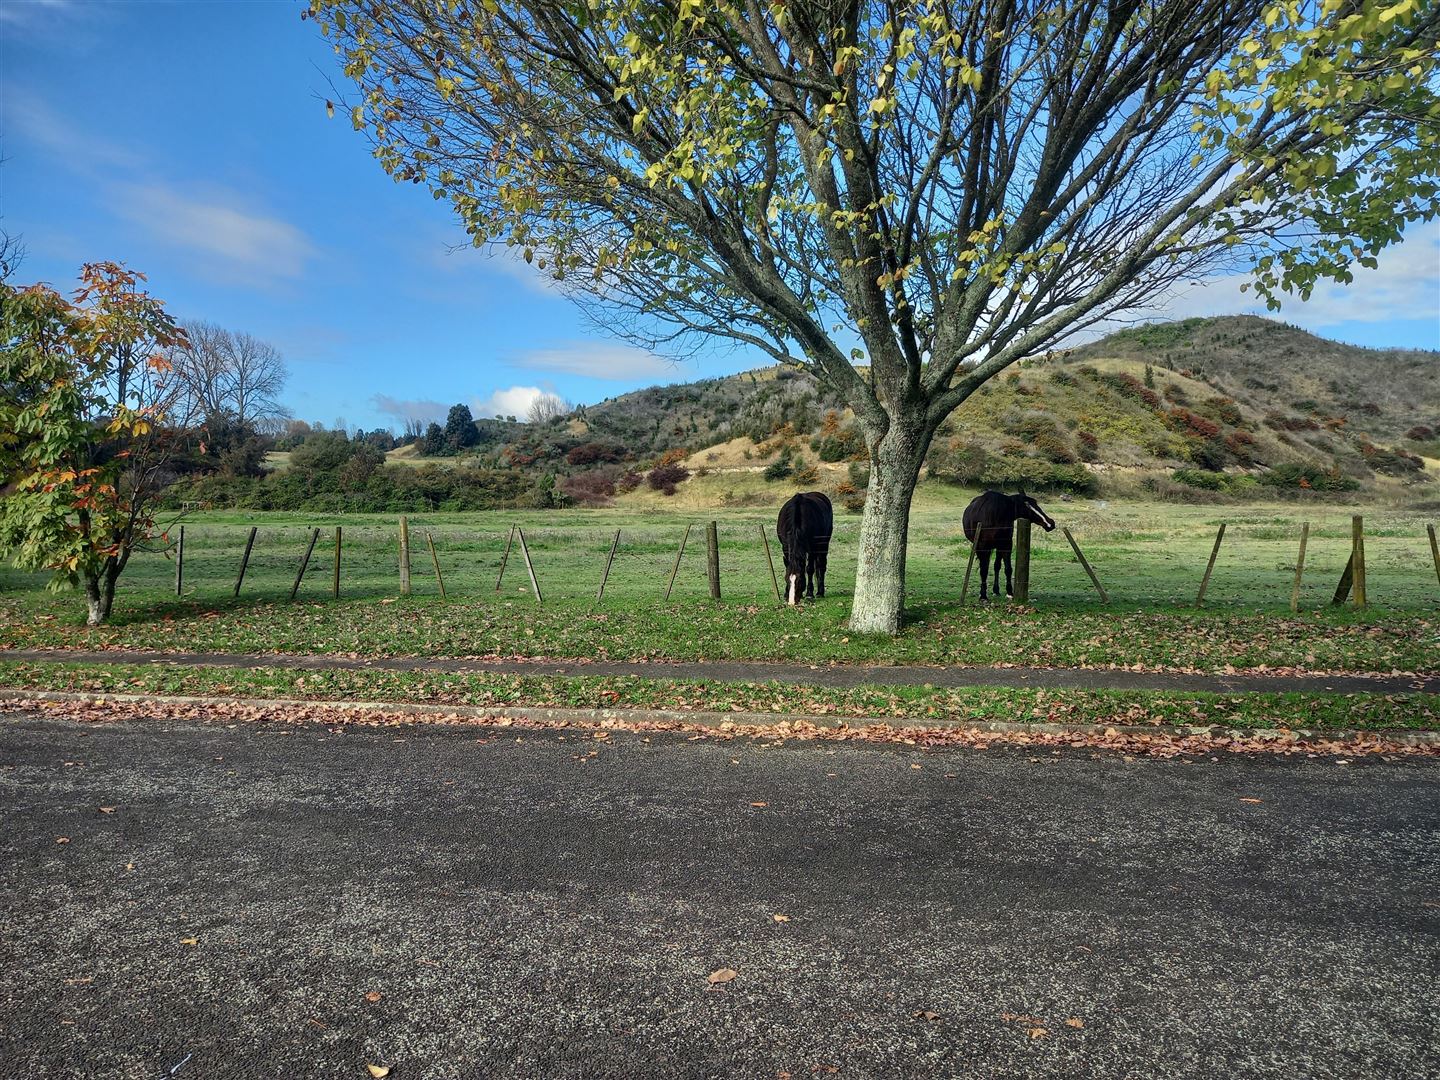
x,y
804,527
990,526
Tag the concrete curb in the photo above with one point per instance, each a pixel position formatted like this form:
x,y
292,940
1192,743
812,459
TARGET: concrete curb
x,y
729,721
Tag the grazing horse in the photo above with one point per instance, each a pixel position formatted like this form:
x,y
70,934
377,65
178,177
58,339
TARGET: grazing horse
x,y
990,526
804,528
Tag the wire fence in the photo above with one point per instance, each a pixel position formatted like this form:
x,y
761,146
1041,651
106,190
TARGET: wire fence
x,y
1254,565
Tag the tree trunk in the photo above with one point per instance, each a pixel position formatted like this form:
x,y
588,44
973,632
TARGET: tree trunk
x,y
100,593
879,606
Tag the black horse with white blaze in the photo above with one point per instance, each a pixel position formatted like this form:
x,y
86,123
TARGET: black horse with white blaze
x,y
990,526
804,528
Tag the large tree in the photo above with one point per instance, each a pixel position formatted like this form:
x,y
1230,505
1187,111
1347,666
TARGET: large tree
x,y
904,197
230,374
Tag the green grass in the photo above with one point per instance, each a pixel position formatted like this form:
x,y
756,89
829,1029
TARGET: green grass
x,y
1150,557
1372,712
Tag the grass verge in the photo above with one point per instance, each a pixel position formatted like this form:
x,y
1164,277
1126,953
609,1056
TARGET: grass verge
x,y
1363,712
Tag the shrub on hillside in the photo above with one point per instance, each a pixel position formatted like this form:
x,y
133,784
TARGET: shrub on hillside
x,y
808,475
594,488
1308,476
592,453
1089,445
664,478
628,481
778,470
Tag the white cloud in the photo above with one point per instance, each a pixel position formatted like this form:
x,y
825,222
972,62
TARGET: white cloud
x,y
1405,285
27,115
410,409
250,243
34,13
597,361
512,401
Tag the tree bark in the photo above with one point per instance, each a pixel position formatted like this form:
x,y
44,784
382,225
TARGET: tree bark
x,y
100,593
879,606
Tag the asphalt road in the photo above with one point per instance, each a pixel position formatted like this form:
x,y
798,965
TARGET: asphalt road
x,y
538,906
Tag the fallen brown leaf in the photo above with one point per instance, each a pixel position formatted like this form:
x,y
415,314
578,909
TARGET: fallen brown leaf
x,y
189,941
925,1014
781,918
761,804
373,995
379,1072
107,809
1252,800
723,975
62,839
1038,1033
1075,1022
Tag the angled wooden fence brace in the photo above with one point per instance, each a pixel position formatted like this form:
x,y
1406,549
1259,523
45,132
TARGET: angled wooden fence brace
x,y
180,560
712,558
678,556
505,558
765,538
404,556
1347,576
969,565
435,561
1434,548
245,559
1022,561
600,595
300,574
525,551
335,587
1210,566
1104,596
1299,568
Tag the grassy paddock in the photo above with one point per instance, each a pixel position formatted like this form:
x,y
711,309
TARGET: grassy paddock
x,y
1149,556
1369,712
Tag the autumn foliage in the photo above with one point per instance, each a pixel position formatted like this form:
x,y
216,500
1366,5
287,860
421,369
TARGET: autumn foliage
x,y
86,426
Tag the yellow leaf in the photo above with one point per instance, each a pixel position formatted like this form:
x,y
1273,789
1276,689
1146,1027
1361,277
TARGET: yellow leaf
x,y
1075,1022
782,918
189,941
379,1072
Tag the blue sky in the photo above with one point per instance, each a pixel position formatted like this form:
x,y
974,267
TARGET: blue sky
x,y
190,140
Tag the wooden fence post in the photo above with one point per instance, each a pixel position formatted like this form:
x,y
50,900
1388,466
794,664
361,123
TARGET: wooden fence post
x,y
1210,566
1434,549
300,574
335,586
678,556
505,558
969,565
245,559
180,560
712,558
404,556
435,560
525,551
1357,550
1299,568
765,538
1022,561
1104,596
609,559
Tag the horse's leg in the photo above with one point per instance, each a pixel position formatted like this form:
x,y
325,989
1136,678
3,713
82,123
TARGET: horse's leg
x,y
810,576
984,570
823,560
1009,584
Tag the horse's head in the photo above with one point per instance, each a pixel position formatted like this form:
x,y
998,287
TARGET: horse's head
x,y
1026,507
794,576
